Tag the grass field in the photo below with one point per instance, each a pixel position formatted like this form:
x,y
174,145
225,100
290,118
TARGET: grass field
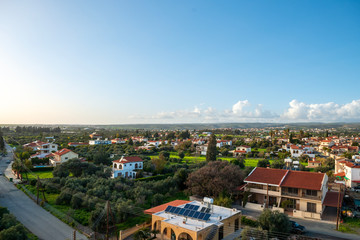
x,y
249,162
42,175
350,225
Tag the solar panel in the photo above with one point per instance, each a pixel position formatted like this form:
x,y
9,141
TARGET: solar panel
x,y
167,209
196,208
187,206
172,209
186,213
182,210
201,215
196,215
203,209
191,213
207,210
177,210
206,217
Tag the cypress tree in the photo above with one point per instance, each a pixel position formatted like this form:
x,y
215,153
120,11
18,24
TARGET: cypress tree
x,y
211,149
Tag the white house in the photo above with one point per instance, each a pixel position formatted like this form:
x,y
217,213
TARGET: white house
x,y
42,148
221,143
62,156
118,141
126,167
99,142
349,170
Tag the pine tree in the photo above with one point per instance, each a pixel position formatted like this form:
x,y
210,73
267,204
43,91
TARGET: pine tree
x,y
211,149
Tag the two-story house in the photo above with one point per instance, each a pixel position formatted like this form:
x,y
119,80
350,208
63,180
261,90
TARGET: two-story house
x,y
126,167
62,156
42,148
299,193
241,150
349,170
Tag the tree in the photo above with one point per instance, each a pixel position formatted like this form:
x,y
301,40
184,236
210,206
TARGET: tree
x,y
215,178
277,164
184,134
130,142
274,221
17,232
159,164
181,155
263,163
211,149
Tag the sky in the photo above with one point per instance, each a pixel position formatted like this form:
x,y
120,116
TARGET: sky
x,y
157,61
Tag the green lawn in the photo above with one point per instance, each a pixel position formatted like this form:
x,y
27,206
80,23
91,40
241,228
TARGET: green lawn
x,y
350,225
251,162
42,175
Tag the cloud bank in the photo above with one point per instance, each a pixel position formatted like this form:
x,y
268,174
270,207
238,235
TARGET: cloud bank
x,y
244,111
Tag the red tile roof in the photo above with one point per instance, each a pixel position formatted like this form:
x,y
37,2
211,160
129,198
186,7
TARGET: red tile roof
x,y
304,180
266,175
62,152
128,159
162,207
332,198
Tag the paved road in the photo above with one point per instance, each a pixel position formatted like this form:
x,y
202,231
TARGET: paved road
x,y
315,228
40,222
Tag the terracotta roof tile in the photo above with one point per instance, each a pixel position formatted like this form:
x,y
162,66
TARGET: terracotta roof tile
x,y
162,207
304,180
266,175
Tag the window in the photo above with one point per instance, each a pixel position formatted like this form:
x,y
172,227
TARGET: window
x,y
311,193
311,207
293,190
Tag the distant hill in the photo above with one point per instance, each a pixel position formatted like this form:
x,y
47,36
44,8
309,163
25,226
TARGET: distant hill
x,y
199,126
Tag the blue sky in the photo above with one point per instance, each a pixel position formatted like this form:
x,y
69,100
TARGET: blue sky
x,y
179,61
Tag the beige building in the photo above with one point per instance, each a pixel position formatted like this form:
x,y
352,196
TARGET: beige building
x,y
196,221
297,193
62,156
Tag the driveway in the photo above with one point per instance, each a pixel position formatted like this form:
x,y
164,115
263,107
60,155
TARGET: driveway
x,y
315,228
40,222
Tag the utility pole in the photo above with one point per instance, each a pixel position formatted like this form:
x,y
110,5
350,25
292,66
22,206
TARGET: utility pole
x,y
267,196
74,234
338,208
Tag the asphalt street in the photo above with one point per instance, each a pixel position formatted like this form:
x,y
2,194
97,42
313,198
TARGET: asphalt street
x,y
39,221
315,228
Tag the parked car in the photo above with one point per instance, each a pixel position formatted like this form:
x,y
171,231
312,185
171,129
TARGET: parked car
x,y
356,189
8,161
297,228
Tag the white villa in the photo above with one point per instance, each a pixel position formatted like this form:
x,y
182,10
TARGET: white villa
x,y
42,148
126,167
62,156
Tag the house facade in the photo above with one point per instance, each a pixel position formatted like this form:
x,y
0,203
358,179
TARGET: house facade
x,y
195,220
126,167
42,148
349,170
299,193
62,156
99,142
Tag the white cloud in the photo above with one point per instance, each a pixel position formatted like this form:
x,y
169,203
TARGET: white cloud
x,y
328,112
244,111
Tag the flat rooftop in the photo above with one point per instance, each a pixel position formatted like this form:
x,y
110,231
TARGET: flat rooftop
x,y
217,214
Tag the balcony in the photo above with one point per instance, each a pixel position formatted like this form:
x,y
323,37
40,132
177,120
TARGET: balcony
x,y
311,197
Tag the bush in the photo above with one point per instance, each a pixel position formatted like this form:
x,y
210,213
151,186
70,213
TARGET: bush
x,y
249,222
274,221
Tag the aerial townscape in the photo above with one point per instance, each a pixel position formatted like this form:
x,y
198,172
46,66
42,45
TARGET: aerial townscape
x,y
180,120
